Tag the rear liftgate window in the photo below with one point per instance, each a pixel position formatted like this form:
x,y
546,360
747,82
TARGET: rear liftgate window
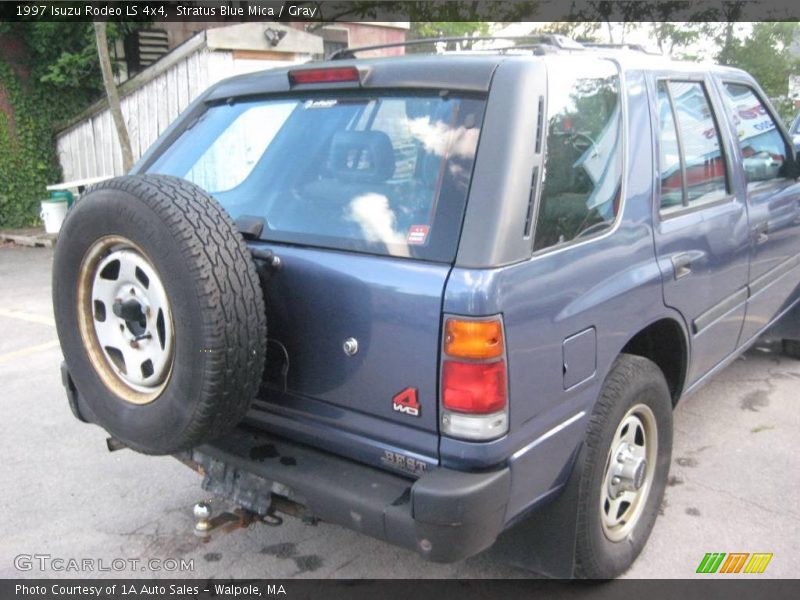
x,y
583,169
379,173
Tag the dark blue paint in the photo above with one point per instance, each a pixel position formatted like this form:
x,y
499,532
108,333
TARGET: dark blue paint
x,y
320,298
579,356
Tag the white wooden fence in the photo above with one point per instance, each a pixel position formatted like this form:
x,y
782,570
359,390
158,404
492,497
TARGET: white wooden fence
x,y
151,101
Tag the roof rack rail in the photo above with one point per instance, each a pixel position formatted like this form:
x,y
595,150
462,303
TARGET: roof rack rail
x,y
623,46
557,41
536,49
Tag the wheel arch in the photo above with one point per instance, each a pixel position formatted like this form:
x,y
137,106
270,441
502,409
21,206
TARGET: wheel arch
x,y
665,343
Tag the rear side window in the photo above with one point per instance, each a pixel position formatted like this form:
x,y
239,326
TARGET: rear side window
x,y
583,167
764,150
692,166
375,172
670,174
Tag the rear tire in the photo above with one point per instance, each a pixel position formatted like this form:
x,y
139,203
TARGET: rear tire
x,y
159,312
625,462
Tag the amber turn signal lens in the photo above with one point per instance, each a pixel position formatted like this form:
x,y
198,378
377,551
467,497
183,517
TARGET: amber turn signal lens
x,y
478,340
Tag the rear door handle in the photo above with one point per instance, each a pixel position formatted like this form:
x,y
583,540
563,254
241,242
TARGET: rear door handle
x,y
682,265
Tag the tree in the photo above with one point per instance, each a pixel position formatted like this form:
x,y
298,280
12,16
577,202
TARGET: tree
x,y
585,31
43,82
436,29
56,76
62,60
671,36
448,29
766,55
112,94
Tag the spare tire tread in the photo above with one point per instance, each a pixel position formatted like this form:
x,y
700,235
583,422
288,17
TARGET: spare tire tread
x,y
232,377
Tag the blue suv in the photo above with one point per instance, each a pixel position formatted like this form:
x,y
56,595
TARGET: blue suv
x,y
440,300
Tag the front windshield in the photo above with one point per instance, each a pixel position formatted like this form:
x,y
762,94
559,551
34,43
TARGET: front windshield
x,y
380,173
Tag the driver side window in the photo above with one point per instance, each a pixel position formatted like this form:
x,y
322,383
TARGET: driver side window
x,y
764,150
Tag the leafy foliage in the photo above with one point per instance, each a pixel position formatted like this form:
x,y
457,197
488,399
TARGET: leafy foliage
x,y
672,36
27,157
59,77
765,53
63,57
436,29
448,29
581,31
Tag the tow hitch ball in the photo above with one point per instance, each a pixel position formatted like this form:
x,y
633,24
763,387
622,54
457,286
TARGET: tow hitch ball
x,y
228,521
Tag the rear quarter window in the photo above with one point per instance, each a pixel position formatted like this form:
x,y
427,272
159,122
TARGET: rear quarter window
x,y
583,165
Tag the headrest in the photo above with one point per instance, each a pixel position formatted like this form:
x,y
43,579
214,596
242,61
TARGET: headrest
x,y
361,156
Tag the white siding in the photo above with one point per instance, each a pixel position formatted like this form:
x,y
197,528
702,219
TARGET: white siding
x,y
90,148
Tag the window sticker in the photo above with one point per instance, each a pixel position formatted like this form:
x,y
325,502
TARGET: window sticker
x,y
417,235
320,103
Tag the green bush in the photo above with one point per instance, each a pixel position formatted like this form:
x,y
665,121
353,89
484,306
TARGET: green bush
x,y
28,161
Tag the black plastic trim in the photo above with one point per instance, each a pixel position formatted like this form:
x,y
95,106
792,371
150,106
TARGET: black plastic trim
x,y
764,280
445,515
719,310
72,393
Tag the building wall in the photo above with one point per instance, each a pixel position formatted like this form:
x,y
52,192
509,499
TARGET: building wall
x,y
364,34
180,31
150,103
90,148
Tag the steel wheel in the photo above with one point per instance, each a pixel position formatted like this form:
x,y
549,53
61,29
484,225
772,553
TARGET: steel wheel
x,y
629,472
125,319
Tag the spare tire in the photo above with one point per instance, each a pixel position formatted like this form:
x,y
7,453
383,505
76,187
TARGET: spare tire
x,y
159,312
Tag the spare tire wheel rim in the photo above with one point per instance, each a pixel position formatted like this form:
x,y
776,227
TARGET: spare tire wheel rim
x,y
629,472
125,319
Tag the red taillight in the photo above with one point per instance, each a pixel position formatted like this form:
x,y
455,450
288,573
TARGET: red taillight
x,y
330,75
475,388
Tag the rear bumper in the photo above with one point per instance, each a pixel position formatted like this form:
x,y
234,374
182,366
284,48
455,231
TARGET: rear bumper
x,y
445,515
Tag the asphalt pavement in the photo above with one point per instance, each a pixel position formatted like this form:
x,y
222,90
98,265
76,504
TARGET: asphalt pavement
x,y
734,480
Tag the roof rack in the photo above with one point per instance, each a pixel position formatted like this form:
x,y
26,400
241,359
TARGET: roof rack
x,y
536,49
539,40
601,45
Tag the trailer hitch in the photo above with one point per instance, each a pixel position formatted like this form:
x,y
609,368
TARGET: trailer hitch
x,y
228,521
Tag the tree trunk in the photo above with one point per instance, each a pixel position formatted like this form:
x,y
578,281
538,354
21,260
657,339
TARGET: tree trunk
x,y
610,32
113,96
724,57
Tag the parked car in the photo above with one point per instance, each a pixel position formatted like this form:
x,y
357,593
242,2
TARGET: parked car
x,y
434,298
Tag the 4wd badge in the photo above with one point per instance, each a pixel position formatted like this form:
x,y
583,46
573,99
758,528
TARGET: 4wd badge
x,y
406,402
